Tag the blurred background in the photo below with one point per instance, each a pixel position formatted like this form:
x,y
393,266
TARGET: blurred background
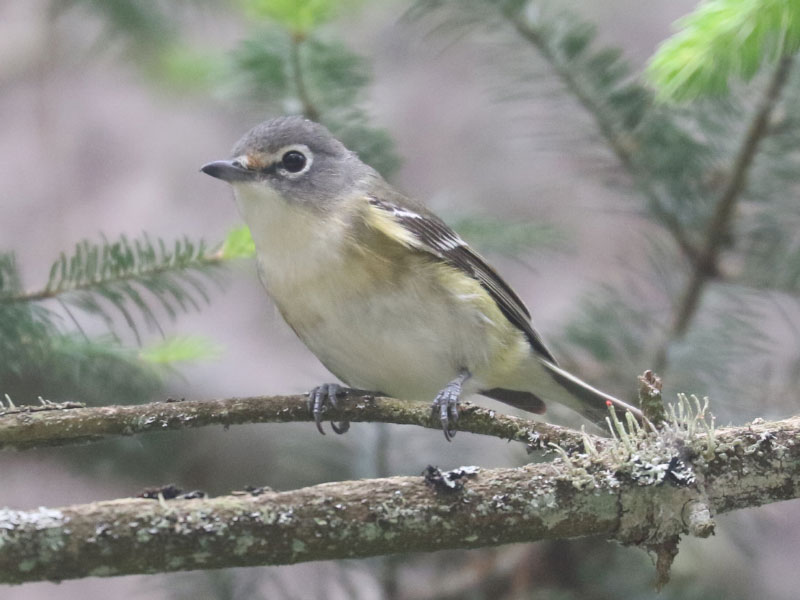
x,y
526,125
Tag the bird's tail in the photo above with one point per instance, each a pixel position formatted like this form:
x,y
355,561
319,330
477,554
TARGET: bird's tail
x,y
585,399
541,381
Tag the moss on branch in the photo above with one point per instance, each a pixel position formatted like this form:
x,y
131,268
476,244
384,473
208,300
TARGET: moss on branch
x,y
575,495
22,428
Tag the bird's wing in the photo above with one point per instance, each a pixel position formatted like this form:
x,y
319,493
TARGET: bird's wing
x,y
411,224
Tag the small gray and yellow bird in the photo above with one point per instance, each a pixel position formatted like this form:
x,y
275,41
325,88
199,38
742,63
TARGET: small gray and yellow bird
x,y
380,289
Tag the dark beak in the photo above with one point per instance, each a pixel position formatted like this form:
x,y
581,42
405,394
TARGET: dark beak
x,y
228,170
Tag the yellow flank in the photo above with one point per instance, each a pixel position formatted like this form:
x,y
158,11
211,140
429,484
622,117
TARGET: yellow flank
x,y
507,351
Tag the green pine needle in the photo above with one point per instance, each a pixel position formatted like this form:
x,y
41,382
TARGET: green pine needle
x,y
238,244
290,63
723,40
9,274
188,348
298,16
128,278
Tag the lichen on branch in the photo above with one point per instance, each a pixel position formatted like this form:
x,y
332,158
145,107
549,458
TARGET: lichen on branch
x,y
25,427
576,495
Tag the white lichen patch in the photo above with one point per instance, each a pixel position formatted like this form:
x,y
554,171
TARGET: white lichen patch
x,y
285,517
17,525
42,518
650,457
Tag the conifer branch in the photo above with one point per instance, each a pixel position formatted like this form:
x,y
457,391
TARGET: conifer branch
x,y
309,110
573,85
621,145
609,493
705,268
125,276
89,286
96,276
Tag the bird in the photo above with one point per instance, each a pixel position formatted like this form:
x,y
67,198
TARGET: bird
x,y
382,291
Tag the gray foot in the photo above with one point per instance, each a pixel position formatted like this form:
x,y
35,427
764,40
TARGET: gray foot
x,y
319,398
445,405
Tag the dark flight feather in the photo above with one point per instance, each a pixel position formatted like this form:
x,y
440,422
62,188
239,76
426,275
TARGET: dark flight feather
x,y
437,238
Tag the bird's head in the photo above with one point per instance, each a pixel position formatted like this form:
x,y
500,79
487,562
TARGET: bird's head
x,y
297,159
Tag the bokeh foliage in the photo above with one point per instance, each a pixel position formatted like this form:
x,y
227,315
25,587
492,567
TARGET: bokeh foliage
x,y
679,160
724,40
291,62
44,349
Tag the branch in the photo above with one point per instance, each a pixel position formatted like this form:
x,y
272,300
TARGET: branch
x,y
619,144
466,508
132,274
706,266
309,110
48,293
57,425
584,97
703,257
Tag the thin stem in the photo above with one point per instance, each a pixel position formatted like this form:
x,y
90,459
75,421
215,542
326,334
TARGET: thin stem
x,y
594,109
617,143
705,268
47,293
309,110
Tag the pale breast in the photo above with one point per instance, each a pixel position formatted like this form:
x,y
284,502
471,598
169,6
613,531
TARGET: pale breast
x,y
403,335
377,323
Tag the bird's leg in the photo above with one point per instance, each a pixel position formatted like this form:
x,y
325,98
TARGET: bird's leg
x,y
446,404
326,394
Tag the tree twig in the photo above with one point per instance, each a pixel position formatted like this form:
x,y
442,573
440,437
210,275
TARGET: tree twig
x,y
706,266
570,497
22,428
584,98
210,260
309,110
703,256
621,148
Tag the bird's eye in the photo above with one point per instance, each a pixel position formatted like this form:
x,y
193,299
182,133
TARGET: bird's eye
x,y
293,161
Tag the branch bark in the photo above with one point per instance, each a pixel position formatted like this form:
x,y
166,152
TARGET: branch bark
x,y
57,425
574,496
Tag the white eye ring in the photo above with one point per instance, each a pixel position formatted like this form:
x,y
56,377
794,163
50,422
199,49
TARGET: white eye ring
x,y
304,155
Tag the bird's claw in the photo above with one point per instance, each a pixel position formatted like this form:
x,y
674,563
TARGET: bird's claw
x,y
319,398
446,406
340,427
